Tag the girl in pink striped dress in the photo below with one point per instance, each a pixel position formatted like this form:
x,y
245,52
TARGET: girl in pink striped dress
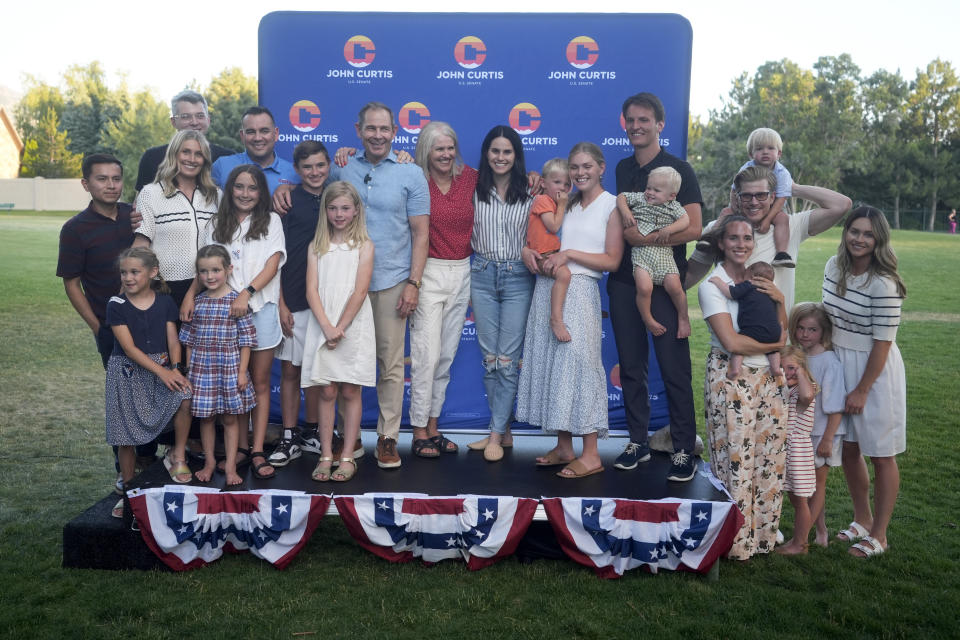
x,y
801,478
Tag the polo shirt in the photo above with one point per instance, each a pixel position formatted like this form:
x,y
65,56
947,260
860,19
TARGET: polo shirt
x,y
89,246
280,172
391,193
299,227
152,157
632,177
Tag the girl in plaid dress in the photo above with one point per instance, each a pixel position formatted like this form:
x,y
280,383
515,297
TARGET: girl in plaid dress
x,y
218,350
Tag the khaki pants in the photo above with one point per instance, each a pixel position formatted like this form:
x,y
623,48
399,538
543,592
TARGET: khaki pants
x,y
390,331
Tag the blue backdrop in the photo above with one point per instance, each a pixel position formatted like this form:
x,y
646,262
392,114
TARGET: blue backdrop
x,y
556,79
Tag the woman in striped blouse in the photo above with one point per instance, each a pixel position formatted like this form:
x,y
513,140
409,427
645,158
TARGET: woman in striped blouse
x,y
863,293
500,284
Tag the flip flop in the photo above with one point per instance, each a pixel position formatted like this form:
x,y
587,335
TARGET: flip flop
x,y
854,531
869,547
578,470
552,459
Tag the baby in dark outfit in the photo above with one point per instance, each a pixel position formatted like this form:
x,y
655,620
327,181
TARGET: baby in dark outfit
x,y
756,317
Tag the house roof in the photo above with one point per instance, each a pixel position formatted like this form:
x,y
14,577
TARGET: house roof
x,y
12,131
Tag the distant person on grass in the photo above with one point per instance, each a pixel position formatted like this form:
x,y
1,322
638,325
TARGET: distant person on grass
x,y
89,245
188,111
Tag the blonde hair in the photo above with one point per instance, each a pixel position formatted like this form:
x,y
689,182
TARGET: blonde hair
x,y
798,354
356,231
428,138
148,259
815,310
594,152
167,172
554,165
763,136
669,175
883,261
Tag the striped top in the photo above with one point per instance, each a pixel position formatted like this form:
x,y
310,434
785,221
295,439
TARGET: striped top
x,y
870,309
801,476
174,227
499,229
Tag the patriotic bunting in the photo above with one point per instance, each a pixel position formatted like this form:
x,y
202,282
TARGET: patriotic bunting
x,y
399,527
187,527
612,536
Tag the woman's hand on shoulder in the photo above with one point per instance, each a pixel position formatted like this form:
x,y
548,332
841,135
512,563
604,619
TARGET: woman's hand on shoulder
x,y
768,287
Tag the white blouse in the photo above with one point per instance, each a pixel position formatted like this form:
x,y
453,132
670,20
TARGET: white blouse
x,y
585,229
250,256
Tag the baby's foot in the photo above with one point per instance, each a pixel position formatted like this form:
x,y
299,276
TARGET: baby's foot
x,y
732,374
654,327
683,328
205,474
560,330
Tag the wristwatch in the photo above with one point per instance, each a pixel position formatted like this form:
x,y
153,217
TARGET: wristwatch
x,y
251,290
416,283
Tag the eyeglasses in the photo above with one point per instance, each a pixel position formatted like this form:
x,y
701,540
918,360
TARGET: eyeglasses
x,y
760,196
190,117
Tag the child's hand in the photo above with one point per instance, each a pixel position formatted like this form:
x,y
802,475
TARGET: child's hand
x,y
663,236
856,400
242,380
562,200
825,448
726,211
186,309
174,380
333,335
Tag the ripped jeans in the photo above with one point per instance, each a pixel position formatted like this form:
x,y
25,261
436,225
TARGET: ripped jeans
x,y
500,293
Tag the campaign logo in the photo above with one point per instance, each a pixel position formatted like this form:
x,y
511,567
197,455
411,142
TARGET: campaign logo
x,y
359,51
304,115
615,376
413,117
582,52
525,118
470,52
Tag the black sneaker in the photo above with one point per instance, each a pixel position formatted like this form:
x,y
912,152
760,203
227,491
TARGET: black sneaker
x,y
683,467
310,442
704,247
632,455
285,452
783,259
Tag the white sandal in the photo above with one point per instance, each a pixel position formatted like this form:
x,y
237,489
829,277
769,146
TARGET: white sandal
x,y
869,547
854,531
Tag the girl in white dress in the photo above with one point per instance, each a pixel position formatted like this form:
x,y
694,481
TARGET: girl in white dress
x,y
339,352
863,293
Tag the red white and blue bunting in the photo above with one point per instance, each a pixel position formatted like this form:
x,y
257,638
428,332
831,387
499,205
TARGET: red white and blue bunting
x,y
612,535
187,527
400,527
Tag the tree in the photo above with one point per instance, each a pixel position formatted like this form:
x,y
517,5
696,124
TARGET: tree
x,y
47,152
90,105
228,96
144,123
935,107
33,106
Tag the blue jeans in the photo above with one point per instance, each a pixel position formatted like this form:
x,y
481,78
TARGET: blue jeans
x,y
500,293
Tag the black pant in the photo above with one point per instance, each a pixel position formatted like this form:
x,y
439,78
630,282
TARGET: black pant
x,y
673,356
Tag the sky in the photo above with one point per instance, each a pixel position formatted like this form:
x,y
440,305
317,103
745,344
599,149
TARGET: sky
x,y
165,49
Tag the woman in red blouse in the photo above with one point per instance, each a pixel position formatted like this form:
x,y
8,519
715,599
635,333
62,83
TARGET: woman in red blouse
x,y
437,322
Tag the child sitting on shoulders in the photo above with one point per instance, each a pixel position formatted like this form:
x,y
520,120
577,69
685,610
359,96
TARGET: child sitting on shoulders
x,y
546,218
657,210
757,315
765,148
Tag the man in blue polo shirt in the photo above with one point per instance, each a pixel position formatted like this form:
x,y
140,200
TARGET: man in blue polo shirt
x,y
258,132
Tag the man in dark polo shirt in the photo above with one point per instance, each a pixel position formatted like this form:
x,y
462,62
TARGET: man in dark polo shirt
x,y
189,111
644,118
89,245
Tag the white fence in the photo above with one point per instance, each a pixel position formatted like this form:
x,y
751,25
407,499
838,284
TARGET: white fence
x,y
43,194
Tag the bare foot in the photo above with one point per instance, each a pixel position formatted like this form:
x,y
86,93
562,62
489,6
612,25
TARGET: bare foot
x,y
205,474
683,328
556,456
823,538
560,330
792,549
654,327
233,479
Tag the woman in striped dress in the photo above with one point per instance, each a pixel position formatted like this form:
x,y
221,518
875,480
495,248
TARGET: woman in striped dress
x,y
863,293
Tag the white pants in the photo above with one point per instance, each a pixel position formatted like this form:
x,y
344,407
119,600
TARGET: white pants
x,y
435,329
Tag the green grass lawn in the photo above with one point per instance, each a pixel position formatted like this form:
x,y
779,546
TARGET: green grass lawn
x,y
55,464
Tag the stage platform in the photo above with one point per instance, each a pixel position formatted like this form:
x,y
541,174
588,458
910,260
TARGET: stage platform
x,y
95,540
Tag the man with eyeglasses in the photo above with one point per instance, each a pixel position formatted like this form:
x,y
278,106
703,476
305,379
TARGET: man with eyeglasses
x,y
754,192
189,111
258,133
